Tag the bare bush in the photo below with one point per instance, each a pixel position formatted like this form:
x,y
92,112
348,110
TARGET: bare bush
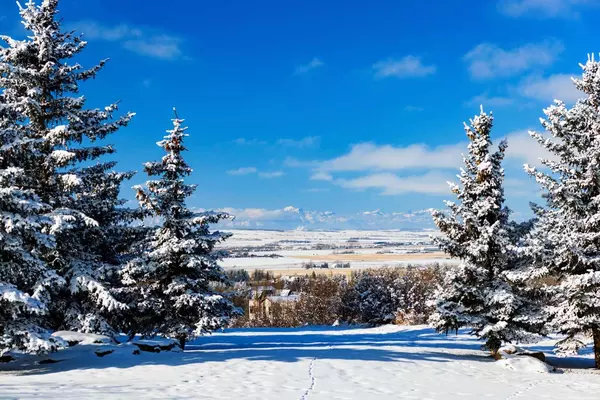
x,y
373,296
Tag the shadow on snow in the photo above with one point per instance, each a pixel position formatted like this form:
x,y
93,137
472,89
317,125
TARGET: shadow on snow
x,y
288,345
279,345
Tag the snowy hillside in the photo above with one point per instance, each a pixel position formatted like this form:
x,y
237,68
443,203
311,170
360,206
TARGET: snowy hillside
x,y
389,362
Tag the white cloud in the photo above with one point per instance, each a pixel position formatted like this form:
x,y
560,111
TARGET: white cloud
x,y
308,141
489,101
488,61
369,156
432,183
254,171
295,163
271,175
542,8
427,169
243,171
249,142
318,190
306,68
321,176
523,187
254,214
442,164
293,217
524,149
163,46
546,89
541,89
95,30
376,163
407,67
146,42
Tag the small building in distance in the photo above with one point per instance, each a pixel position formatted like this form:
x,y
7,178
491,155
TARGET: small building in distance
x,y
261,291
261,304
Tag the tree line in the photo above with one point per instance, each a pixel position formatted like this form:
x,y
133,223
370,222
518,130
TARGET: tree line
x,y
373,296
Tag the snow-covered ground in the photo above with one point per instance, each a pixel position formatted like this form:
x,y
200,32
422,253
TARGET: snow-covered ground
x,y
280,250
326,363
299,239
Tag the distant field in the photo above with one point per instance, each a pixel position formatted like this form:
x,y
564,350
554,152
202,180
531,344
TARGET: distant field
x,y
374,257
366,260
286,252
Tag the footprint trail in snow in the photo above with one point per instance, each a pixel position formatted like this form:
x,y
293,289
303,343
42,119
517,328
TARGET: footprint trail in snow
x,y
312,379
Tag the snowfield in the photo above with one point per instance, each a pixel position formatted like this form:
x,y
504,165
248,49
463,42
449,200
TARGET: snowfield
x,y
388,362
362,249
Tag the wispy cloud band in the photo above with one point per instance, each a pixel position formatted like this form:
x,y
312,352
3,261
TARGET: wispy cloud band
x,y
306,68
488,61
143,41
406,67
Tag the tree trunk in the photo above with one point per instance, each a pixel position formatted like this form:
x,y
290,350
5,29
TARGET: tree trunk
x,y
596,334
182,342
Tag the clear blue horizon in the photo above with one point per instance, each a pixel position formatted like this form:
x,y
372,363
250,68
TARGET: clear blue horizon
x,y
343,106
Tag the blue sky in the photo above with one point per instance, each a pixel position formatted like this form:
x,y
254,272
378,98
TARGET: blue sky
x,y
339,105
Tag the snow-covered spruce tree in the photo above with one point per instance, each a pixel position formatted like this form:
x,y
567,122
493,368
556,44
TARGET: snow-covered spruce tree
x,y
476,293
95,253
565,243
26,228
40,91
25,279
379,299
170,284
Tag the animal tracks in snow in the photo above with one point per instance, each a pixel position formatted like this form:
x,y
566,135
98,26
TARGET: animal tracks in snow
x,y
523,392
311,374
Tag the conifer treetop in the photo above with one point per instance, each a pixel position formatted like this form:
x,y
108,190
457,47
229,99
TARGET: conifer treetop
x,y
41,87
172,282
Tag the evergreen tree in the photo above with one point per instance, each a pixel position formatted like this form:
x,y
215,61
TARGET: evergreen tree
x,y
25,279
171,284
379,298
96,253
48,124
565,243
477,232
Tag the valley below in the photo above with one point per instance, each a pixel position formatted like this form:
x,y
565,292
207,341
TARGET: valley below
x,y
296,251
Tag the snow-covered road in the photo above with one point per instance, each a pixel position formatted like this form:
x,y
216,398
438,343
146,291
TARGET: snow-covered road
x,y
326,363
